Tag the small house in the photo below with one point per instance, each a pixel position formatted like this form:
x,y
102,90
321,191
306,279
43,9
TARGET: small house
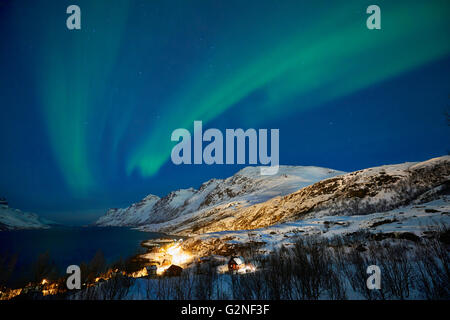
x,y
236,263
173,270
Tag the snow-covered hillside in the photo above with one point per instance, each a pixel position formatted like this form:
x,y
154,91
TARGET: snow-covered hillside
x,y
11,219
134,215
410,222
250,201
245,188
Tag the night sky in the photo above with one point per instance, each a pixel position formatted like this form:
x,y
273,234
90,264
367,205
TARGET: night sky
x,y
86,115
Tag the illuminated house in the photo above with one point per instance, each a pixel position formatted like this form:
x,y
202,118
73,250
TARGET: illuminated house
x,y
236,263
173,270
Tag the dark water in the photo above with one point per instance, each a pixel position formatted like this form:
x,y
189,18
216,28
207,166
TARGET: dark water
x,y
71,245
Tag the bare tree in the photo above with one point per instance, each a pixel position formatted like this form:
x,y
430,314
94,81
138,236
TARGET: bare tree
x,y
43,268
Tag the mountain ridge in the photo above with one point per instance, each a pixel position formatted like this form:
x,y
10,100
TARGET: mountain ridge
x,y
246,187
15,219
248,201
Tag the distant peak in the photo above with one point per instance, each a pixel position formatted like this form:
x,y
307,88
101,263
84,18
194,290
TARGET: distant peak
x,y
151,197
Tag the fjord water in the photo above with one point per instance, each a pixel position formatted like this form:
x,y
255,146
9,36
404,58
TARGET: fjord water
x,y
71,245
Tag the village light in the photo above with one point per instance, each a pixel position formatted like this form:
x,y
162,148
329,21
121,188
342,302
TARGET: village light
x,y
141,273
172,254
179,256
160,270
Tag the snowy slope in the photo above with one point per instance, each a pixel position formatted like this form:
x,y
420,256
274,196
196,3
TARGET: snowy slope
x,y
407,222
245,188
11,219
250,201
136,214
361,192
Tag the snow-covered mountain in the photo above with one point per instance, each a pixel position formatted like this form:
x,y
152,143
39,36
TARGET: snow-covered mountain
x,y
12,219
134,215
245,188
249,201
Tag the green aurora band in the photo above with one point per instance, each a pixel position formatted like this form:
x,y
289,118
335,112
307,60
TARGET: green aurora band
x,y
337,54
75,77
325,54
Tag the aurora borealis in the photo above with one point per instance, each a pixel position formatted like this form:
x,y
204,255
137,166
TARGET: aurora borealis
x,y
86,115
